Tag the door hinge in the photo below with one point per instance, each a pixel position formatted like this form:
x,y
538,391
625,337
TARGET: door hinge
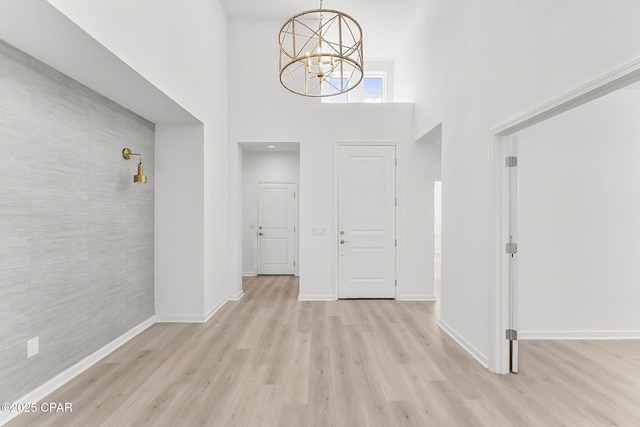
x,y
294,228
396,283
294,195
396,162
512,335
512,161
294,263
396,243
396,201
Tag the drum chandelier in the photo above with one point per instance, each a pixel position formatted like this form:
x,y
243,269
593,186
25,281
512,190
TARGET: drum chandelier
x,y
321,53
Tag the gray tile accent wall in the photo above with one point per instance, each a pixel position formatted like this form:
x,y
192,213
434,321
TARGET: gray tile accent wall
x,y
76,233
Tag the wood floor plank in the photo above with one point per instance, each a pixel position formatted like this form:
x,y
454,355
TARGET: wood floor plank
x,y
346,398
269,360
392,381
296,373
487,413
322,408
375,407
292,415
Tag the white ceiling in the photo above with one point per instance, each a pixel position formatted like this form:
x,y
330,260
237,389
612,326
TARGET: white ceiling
x,y
385,24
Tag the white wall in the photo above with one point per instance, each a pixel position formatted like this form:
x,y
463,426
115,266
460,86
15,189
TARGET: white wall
x,y
175,206
473,65
263,167
580,228
437,221
261,110
180,47
421,169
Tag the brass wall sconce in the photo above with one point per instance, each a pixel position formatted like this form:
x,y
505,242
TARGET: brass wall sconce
x,y
127,153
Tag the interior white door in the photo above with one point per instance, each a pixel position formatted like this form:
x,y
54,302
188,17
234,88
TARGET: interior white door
x,y
367,221
276,229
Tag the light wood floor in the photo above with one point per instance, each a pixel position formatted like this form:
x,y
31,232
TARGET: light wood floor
x,y
270,360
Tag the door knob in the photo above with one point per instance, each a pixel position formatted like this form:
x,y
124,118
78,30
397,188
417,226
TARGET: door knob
x,y
342,242
259,234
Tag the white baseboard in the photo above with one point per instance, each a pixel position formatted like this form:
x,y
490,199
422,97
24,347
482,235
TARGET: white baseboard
x,y
430,298
214,310
579,335
316,298
64,377
237,297
332,298
470,348
199,319
182,319
296,274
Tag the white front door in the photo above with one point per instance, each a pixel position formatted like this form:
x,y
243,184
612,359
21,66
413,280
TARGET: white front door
x,y
276,228
367,221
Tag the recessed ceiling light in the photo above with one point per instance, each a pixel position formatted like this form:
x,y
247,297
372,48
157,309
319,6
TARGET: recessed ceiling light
x,y
271,146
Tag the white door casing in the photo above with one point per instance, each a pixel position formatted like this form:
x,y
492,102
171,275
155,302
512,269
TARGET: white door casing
x,y
505,286
366,221
276,228
512,253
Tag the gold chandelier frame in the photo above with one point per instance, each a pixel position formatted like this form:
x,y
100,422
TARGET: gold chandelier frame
x,y
321,53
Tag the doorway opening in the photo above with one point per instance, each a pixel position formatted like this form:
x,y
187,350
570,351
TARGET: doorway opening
x,y
575,213
270,219
437,238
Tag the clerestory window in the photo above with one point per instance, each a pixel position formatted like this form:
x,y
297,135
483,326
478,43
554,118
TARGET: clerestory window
x,y
372,89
